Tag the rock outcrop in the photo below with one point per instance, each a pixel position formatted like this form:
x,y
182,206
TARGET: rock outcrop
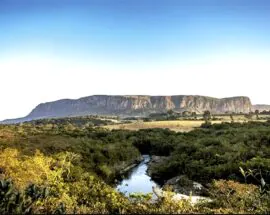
x,y
137,105
181,184
178,197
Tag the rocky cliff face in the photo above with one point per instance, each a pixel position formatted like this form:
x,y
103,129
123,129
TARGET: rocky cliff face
x,y
137,105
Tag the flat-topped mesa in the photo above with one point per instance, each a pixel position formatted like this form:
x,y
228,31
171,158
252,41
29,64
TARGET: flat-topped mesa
x,y
139,105
135,105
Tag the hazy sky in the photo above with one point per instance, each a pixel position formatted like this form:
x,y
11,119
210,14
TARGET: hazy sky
x,y
53,49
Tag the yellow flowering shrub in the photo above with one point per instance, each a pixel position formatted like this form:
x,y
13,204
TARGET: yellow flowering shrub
x,y
234,197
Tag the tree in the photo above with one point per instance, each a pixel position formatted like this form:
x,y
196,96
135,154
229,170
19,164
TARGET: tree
x,y
206,115
170,112
231,116
257,114
186,113
249,115
194,115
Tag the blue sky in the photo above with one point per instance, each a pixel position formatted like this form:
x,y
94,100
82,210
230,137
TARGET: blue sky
x,y
130,29
115,42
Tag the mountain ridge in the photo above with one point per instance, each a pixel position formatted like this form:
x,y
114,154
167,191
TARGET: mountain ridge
x,y
261,107
135,105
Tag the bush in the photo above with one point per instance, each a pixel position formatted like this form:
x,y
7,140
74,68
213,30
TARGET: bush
x,y
233,197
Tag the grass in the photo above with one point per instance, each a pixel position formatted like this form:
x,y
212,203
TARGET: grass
x,y
175,125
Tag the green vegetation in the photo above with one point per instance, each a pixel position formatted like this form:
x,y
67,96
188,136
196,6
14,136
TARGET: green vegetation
x,y
101,152
80,121
66,166
213,153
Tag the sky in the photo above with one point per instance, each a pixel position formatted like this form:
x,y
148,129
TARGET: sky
x,y
51,50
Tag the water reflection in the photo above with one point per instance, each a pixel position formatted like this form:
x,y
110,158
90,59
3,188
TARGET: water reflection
x,y
137,179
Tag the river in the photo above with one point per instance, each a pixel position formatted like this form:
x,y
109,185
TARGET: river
x,y
137,179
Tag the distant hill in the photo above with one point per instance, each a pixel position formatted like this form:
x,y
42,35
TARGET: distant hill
x,y
261,107
135,105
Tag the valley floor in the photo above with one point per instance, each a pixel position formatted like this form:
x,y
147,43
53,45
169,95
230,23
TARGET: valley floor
x,y
70,166
174,125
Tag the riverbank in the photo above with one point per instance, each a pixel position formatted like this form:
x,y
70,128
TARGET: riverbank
x,y
181,184
130,166
137,180
138,177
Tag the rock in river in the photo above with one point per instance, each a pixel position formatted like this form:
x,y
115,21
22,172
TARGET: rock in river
x,y
181,184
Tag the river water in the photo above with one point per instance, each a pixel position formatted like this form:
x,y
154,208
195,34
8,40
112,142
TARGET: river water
x,y
137,179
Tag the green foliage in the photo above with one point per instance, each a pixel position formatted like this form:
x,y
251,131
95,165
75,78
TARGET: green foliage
x,y
206,116
206,124
13,201
65,167
81,121
257,114
226,195
96,147
215,152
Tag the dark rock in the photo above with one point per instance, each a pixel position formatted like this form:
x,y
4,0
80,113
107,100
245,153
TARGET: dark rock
x,y
181,184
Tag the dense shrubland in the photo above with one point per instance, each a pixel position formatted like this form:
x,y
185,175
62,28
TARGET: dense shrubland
x,y
101,152
216,152
79,121
51,167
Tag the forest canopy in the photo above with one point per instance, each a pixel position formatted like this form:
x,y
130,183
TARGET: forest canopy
x,y
65,168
